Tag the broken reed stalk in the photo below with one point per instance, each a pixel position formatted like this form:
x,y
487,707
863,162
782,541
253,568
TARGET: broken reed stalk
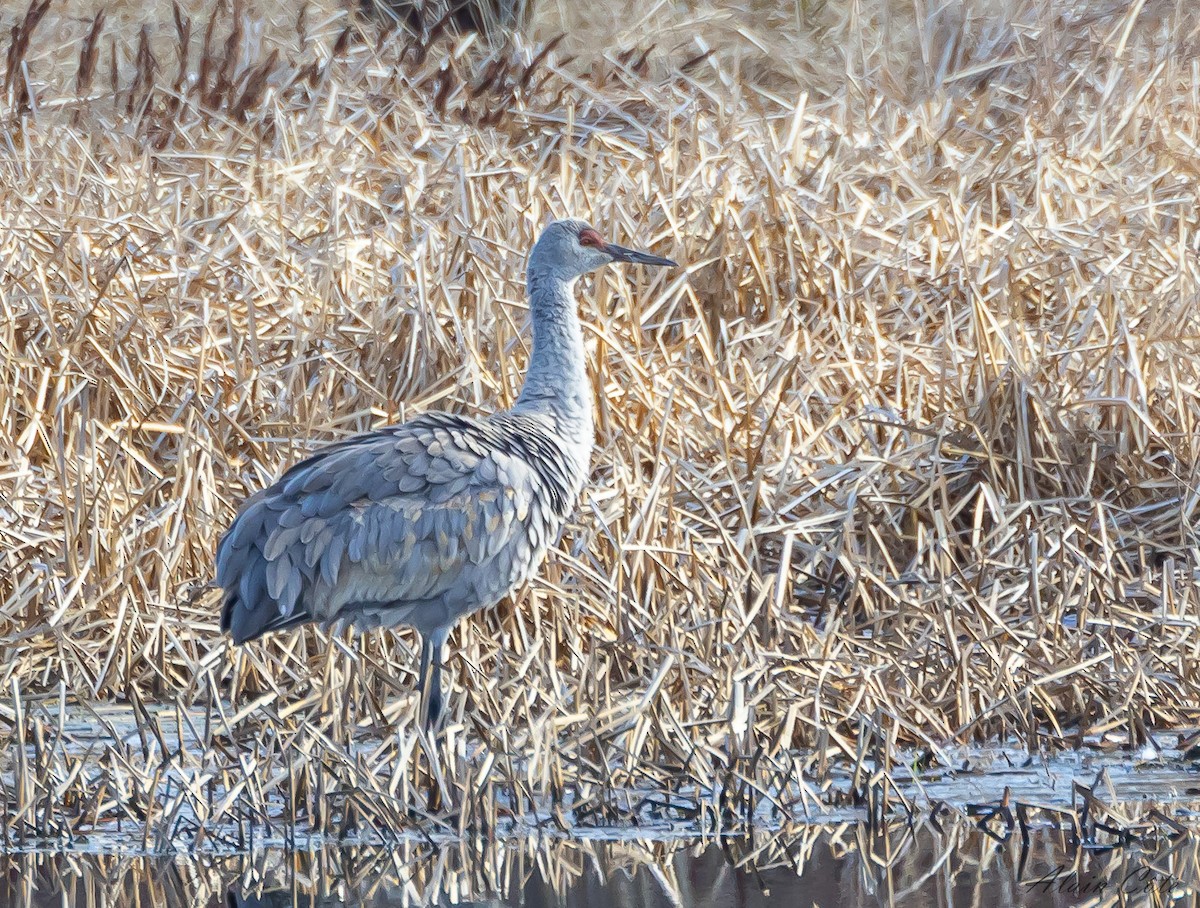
x,y
16,86
85,75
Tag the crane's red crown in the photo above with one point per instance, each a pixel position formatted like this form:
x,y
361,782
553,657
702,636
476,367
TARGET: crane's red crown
x,y
590,237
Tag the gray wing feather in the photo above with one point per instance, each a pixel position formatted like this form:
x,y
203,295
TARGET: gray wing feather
x,y
419,524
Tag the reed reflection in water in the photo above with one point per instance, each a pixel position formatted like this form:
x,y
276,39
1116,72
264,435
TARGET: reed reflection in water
x,y
815,866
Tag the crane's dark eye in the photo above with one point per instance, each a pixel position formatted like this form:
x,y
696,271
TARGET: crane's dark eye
x,y
590,238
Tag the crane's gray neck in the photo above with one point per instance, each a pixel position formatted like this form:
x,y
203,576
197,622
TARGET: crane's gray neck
x,y
557,381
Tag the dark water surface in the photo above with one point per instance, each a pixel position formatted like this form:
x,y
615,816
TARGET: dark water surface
x,y
815,866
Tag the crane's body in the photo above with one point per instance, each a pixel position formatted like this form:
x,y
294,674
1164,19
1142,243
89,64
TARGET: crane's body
x,y
422,523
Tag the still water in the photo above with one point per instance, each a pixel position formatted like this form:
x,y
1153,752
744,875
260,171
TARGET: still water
x,y
847,865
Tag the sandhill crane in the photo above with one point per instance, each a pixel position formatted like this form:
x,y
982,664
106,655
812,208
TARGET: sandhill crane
x,y
422,523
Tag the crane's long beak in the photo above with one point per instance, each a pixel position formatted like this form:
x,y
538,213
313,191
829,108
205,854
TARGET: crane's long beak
x,y
621,254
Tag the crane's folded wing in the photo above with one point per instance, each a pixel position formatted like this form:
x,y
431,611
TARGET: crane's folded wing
x,y
433,515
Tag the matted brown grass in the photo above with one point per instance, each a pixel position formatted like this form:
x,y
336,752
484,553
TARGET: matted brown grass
x,y
905,457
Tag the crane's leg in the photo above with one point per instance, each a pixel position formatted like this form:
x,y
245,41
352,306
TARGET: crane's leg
x,y
430,684
423,680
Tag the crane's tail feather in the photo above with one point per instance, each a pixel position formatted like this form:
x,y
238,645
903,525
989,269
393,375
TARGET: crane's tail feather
x,y
243,623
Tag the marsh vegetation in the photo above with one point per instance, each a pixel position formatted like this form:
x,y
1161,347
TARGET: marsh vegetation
x,y
905,460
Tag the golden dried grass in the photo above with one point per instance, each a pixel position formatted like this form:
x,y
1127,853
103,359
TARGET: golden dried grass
x,y
905,456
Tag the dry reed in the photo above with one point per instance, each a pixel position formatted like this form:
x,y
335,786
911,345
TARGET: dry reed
x,y
906,457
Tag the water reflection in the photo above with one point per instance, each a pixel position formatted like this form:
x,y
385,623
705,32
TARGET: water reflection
x,y
827,867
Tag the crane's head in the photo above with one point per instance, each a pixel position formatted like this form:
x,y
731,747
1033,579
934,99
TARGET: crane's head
x,y
572,247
